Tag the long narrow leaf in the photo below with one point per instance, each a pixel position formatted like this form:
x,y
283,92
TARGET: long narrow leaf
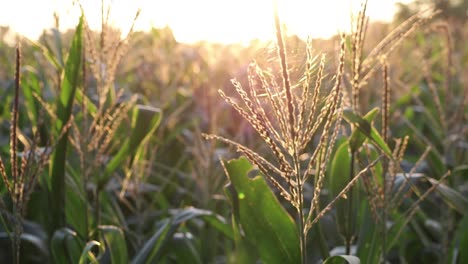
x,y
368,130
266,224
115,244
453,198
64,107
339,177
342,259
66,246
87,255
152,247
145,120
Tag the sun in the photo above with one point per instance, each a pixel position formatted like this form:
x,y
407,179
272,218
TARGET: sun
x,y
224,21
244,20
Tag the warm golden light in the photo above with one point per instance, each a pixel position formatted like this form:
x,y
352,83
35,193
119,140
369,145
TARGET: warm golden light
x,y
223,21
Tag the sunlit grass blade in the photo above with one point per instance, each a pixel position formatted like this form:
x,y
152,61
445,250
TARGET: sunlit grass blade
x,y
65,101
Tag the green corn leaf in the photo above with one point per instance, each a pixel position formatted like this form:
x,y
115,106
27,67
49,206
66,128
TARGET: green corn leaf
x,y
115,244
76,201
460,243
342,259
152,249
30,87
66,246
58,45
157,246
216,221
244,252
28,240
76,212
185,251
266,224
357,137
111,209
90,106
87,255
369,245
145,120
340,172
69,86
373,153
71,79
451,197
48,53
367,129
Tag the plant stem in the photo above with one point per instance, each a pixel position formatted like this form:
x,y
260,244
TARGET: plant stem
x,y
302,236
97,206
292,133
300,211
349,222
384,212
321,239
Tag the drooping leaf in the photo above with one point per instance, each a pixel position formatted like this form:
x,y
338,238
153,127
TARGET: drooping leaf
x,y
342,259
357,137
87,255
367,129
115,243
450,196
145,120
66,246
156,246
216,221
28,239
453,198
266,224
153,247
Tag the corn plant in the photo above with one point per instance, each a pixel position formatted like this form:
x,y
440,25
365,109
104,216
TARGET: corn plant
x,y
24,167
384,187
288,121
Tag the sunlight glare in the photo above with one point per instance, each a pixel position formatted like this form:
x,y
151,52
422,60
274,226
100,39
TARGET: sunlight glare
x,y
191,21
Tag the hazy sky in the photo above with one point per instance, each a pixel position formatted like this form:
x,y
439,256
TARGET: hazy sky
x,y
192,20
